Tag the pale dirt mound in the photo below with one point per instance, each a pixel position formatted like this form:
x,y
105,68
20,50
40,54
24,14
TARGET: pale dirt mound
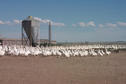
x,y
52,70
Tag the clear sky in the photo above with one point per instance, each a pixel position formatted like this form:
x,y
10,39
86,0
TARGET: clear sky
x,y
73,20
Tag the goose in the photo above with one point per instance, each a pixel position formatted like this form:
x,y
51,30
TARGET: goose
x,y
100,53
107,52
2,52
93,52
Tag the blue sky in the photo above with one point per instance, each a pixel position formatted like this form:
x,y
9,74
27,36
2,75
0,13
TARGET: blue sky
x,y
73,20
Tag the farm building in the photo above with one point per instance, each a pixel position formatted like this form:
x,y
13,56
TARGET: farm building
x,y
5,41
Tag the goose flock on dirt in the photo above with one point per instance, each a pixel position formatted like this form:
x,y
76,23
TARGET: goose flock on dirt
x,y
66,51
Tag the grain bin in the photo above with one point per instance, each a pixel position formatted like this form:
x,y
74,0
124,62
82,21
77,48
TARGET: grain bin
x,y
31,27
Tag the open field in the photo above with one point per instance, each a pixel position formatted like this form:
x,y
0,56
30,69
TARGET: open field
x,y
52,70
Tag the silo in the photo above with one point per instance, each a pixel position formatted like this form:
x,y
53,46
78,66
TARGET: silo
x,y
31,27
49,32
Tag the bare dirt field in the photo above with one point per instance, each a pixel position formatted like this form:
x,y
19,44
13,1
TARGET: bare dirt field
x,y
52,70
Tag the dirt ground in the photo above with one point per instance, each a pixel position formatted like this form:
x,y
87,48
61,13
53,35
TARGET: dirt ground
x,y
52,70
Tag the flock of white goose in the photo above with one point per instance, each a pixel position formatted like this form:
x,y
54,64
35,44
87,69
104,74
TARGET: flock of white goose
x,y
67,51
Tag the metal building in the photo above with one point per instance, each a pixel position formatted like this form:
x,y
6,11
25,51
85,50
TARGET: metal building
x,y
30,31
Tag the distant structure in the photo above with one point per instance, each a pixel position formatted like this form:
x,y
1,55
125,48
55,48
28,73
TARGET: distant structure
x,y
30,31
49,32
6,41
